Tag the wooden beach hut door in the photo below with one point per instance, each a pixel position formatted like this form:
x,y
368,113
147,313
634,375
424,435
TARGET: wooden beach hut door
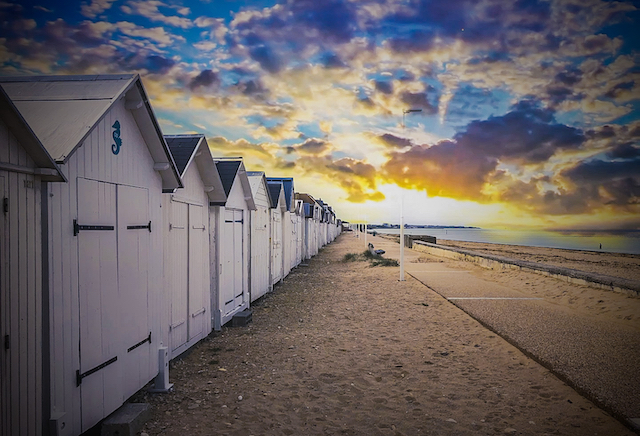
x,y
134,242
198,241
5,329
179,252
186,244
113,231
231,274
99,375
276,244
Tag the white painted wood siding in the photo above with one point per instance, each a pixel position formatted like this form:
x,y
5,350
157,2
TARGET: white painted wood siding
x,y
286,244
186,268
260,248
20,294
236,252
276,246
132,167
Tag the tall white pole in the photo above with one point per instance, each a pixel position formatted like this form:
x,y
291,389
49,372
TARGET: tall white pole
x,y
402,238
365,232
404,112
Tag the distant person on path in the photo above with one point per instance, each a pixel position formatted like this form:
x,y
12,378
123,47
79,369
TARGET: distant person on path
x,y
600,246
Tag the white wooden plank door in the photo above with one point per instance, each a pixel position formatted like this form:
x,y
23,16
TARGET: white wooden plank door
x,y
5,378
231,274
238,250
198,242
227,253
178,246
276,246
260,253
293,242
99,375
134,239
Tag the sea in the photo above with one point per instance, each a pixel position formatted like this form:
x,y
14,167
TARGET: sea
x,y
627,242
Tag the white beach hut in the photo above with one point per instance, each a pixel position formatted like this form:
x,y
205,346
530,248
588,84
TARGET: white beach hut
x,y
278,211
230,240
299,231
288,224
25,168
260,272
103,241
311,225
187,280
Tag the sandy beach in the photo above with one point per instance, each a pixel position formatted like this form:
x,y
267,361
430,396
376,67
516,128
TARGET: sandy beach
x,y
346,348
614,264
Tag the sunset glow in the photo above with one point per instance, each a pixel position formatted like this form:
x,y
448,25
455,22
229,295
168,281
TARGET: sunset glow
x,y
529,109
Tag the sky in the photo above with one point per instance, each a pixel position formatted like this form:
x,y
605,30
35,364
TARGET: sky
x,y
526,114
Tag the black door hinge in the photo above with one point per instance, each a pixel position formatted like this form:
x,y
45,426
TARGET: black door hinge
x,y
5,205
77,227
7,344
80,376
143,226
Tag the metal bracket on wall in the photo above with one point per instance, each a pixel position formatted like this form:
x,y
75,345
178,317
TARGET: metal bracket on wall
x,y
147,226
77,227
133,347
80,376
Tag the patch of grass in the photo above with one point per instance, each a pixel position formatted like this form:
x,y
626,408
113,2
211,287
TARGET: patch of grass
x,y
350,257
368,255
374,259
384,262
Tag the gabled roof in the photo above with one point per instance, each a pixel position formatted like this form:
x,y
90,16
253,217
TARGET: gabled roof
x,y
63,111
228,169
255,179
276,191
287,184
187,149
306,198
45,166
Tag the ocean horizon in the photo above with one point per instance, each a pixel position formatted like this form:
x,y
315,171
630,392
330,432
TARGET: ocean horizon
x,y
624,242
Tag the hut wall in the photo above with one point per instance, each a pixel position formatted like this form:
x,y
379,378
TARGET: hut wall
x,y
187,283
287,233
21,331
233,256
95,319
277,272
260,247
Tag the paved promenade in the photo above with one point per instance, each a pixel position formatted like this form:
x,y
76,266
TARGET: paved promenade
x,y
596,355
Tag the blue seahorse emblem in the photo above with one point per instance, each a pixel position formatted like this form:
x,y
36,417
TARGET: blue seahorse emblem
x,y
115,148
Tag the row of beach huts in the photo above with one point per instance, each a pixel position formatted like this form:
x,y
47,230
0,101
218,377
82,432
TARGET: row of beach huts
x,y
122,247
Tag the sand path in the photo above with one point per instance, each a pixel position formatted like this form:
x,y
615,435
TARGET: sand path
x,y
345,348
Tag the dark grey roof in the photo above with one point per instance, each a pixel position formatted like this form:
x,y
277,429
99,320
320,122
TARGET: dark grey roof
x,y
228,170
274,192
287,184
182,148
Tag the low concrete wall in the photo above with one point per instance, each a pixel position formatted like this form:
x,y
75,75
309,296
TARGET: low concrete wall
x,y
489,261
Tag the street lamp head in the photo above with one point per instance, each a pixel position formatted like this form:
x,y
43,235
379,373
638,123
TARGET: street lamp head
x,y
408,111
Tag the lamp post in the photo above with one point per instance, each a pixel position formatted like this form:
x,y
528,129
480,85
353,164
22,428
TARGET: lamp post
x,y
365,232
404,112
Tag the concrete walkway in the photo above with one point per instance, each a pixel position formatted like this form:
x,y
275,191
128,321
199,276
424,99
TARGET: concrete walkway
x,y
597,358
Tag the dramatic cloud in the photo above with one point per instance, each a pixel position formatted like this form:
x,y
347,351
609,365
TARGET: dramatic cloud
x,y
532,104
205,79
461,167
